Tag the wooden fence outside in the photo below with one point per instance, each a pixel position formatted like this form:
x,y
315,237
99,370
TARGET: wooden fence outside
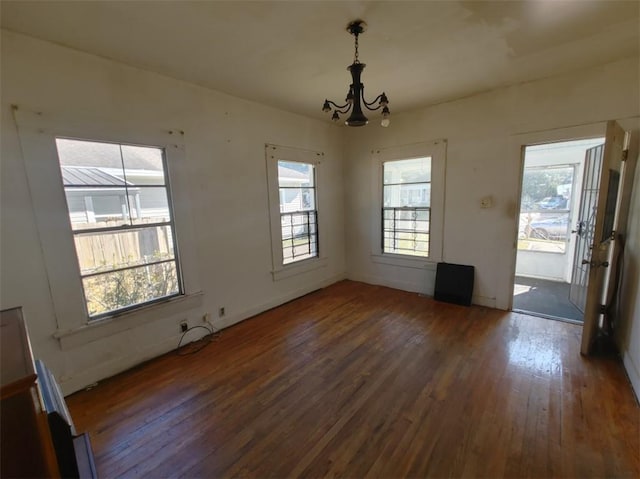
x,y
114,249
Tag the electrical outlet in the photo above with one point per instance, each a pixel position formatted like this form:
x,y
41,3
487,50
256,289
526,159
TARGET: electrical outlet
x,y
184,326
221,312
205,317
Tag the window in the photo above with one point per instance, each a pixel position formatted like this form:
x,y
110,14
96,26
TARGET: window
x,y
406,210
119,206
545,208
298,214
294,181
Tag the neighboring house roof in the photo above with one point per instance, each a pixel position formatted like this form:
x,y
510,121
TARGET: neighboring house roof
x,y
89,176
87,153
289,174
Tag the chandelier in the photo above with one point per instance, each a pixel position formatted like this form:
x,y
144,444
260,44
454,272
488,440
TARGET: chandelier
x,y
355,96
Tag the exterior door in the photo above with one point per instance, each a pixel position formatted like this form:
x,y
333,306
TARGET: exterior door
x,y
599,242
585,226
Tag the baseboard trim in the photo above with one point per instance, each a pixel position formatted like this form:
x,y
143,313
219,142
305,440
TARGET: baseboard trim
x,y
222,323
415,288
110,368
632,373
391,283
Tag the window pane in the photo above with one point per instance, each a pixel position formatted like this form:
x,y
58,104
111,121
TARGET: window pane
x,y
410,225
547,188
294,225
302,248
93,177
120,289
398,246
415,170
149,205
96,208
302,240
101,208
105,184
292,173
544,231
297,199
406,231
113,250
86,154
545,208
143,165
407,195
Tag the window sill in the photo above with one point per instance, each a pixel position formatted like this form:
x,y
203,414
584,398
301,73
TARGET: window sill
x,y
299,268
404,261
118,323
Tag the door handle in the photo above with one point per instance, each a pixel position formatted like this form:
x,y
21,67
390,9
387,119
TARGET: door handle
x,y
595,264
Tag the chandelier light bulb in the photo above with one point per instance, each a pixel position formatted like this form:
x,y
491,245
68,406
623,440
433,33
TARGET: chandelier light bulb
x,y
349,98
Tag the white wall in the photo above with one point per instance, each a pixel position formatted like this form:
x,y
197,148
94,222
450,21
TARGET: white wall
x,y
484,134
226,173
226,193
629,327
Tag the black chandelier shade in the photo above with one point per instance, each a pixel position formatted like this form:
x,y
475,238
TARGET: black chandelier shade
x,y
355,100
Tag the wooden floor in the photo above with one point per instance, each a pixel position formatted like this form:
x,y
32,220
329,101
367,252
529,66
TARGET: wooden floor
x,y
358,380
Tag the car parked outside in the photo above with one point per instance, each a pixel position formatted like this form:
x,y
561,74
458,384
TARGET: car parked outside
x,y
549,228
557,202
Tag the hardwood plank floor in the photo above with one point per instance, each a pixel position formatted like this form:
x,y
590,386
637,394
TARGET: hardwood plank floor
x,y
359,380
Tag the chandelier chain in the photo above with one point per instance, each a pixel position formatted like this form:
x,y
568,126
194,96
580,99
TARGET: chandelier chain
x,y
356,60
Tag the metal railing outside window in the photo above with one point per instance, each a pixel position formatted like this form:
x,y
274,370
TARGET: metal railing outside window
x,y
405,230
299,236
298,213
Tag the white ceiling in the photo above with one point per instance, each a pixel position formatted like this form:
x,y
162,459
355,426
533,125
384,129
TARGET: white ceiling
x,y
292,55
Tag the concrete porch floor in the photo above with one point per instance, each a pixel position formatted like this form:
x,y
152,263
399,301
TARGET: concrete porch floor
x,y
541,296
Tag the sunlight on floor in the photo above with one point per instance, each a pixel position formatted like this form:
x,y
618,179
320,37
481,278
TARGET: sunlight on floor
x,y
521,288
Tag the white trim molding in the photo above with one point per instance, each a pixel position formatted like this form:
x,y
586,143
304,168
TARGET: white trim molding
x,y
273,154
37,133
437,151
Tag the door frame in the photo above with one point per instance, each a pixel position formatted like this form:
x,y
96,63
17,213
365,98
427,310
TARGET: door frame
x,y
519,142
603,248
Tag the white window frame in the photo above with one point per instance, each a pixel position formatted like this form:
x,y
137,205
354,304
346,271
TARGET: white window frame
x,y
275,153
436,150
107,230
37,133
405,209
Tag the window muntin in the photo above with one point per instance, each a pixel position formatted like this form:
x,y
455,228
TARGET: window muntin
x,y
119,206
298,213
406,211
